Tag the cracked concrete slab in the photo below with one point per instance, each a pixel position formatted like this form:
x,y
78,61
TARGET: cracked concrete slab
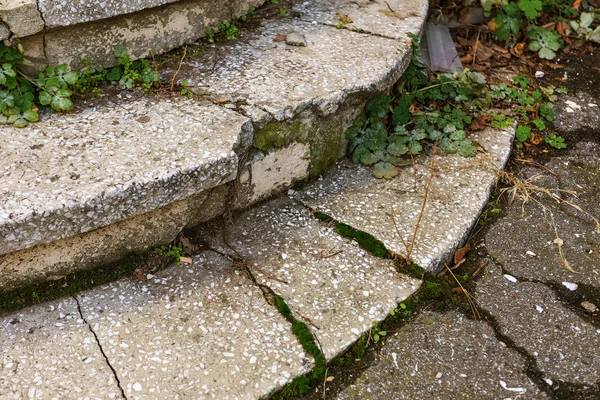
x,y
196,331
392,19
47,351
441,356
459,191
73,173
565,347
286,80
331,283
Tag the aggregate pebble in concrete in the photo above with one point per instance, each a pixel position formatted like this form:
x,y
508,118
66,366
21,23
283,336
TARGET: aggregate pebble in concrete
x,y
47,351
459,191
73,173
196,331
444,356
393,18
566,347
286,80
339,288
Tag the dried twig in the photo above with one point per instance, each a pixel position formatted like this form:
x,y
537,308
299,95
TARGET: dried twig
x,y
470,298
178,68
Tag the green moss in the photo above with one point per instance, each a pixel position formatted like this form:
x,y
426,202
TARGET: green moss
x,y
69,285
277,135
302,384
365,240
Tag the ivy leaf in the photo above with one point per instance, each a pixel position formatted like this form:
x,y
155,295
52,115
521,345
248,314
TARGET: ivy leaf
x,y
385,170
414,147
397,149
356,128
530,7
45,98
466,148
458,135
71,77
418,134
61,103
401,111
523,133
369,158
378,106
358,153
31,115
547,112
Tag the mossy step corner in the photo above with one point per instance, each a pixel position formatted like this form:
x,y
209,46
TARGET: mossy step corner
x,y
84,189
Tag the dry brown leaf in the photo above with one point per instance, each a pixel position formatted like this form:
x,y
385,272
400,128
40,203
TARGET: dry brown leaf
x,y
219,100
562,28
138,273
535,138
185,260
344,18
460,253
493,25
576,4
484,53
480,122
468,59
500,49
280,38
518,50
185,244
555,66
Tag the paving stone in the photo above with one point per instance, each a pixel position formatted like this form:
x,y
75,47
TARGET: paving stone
x,y
442,356
47,351
523,240
566,347
330,281
200,330
286,80
70,174
393,19
22,16
459,191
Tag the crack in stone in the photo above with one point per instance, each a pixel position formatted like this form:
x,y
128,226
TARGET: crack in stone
x,y
355,30
100,347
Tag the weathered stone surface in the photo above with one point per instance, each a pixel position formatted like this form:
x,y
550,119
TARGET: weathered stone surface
x,y
201,331
159,29
110,244
565,347
74,173
4,31
63,13
393,19
22,17
330,281
442,356
459,191
286,80
48,351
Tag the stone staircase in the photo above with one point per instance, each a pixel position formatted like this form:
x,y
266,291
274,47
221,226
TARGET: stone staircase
x,y
115,177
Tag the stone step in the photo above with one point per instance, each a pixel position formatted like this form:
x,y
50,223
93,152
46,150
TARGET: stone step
x,y
84,189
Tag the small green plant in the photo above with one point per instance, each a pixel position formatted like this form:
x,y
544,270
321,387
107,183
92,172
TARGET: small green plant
x,y
376,332
20,95
171,251
401,310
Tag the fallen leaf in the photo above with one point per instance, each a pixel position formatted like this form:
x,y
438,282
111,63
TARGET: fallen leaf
x,y
480,122
518,50
493,25
468,59
280,38
555,66
576,4
460,253
535,138
484,53
344,18
500,49
330,378
219,101
185,260
138,273
563,28
185,244
591,307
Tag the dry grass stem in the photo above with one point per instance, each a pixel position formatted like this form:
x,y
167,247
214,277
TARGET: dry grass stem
x,y
468,296
178,68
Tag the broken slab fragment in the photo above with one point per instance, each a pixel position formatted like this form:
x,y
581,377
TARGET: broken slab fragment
x,y
22,17
459,192
332,284
47,351
201,330
443,356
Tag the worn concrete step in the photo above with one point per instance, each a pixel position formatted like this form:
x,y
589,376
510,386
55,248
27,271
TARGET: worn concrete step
x,y
84,189
459,191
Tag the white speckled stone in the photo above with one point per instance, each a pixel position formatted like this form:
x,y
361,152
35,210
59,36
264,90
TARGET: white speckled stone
x,y
287,80
72,173
367,15
199,331
330,281
47,351
459,192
